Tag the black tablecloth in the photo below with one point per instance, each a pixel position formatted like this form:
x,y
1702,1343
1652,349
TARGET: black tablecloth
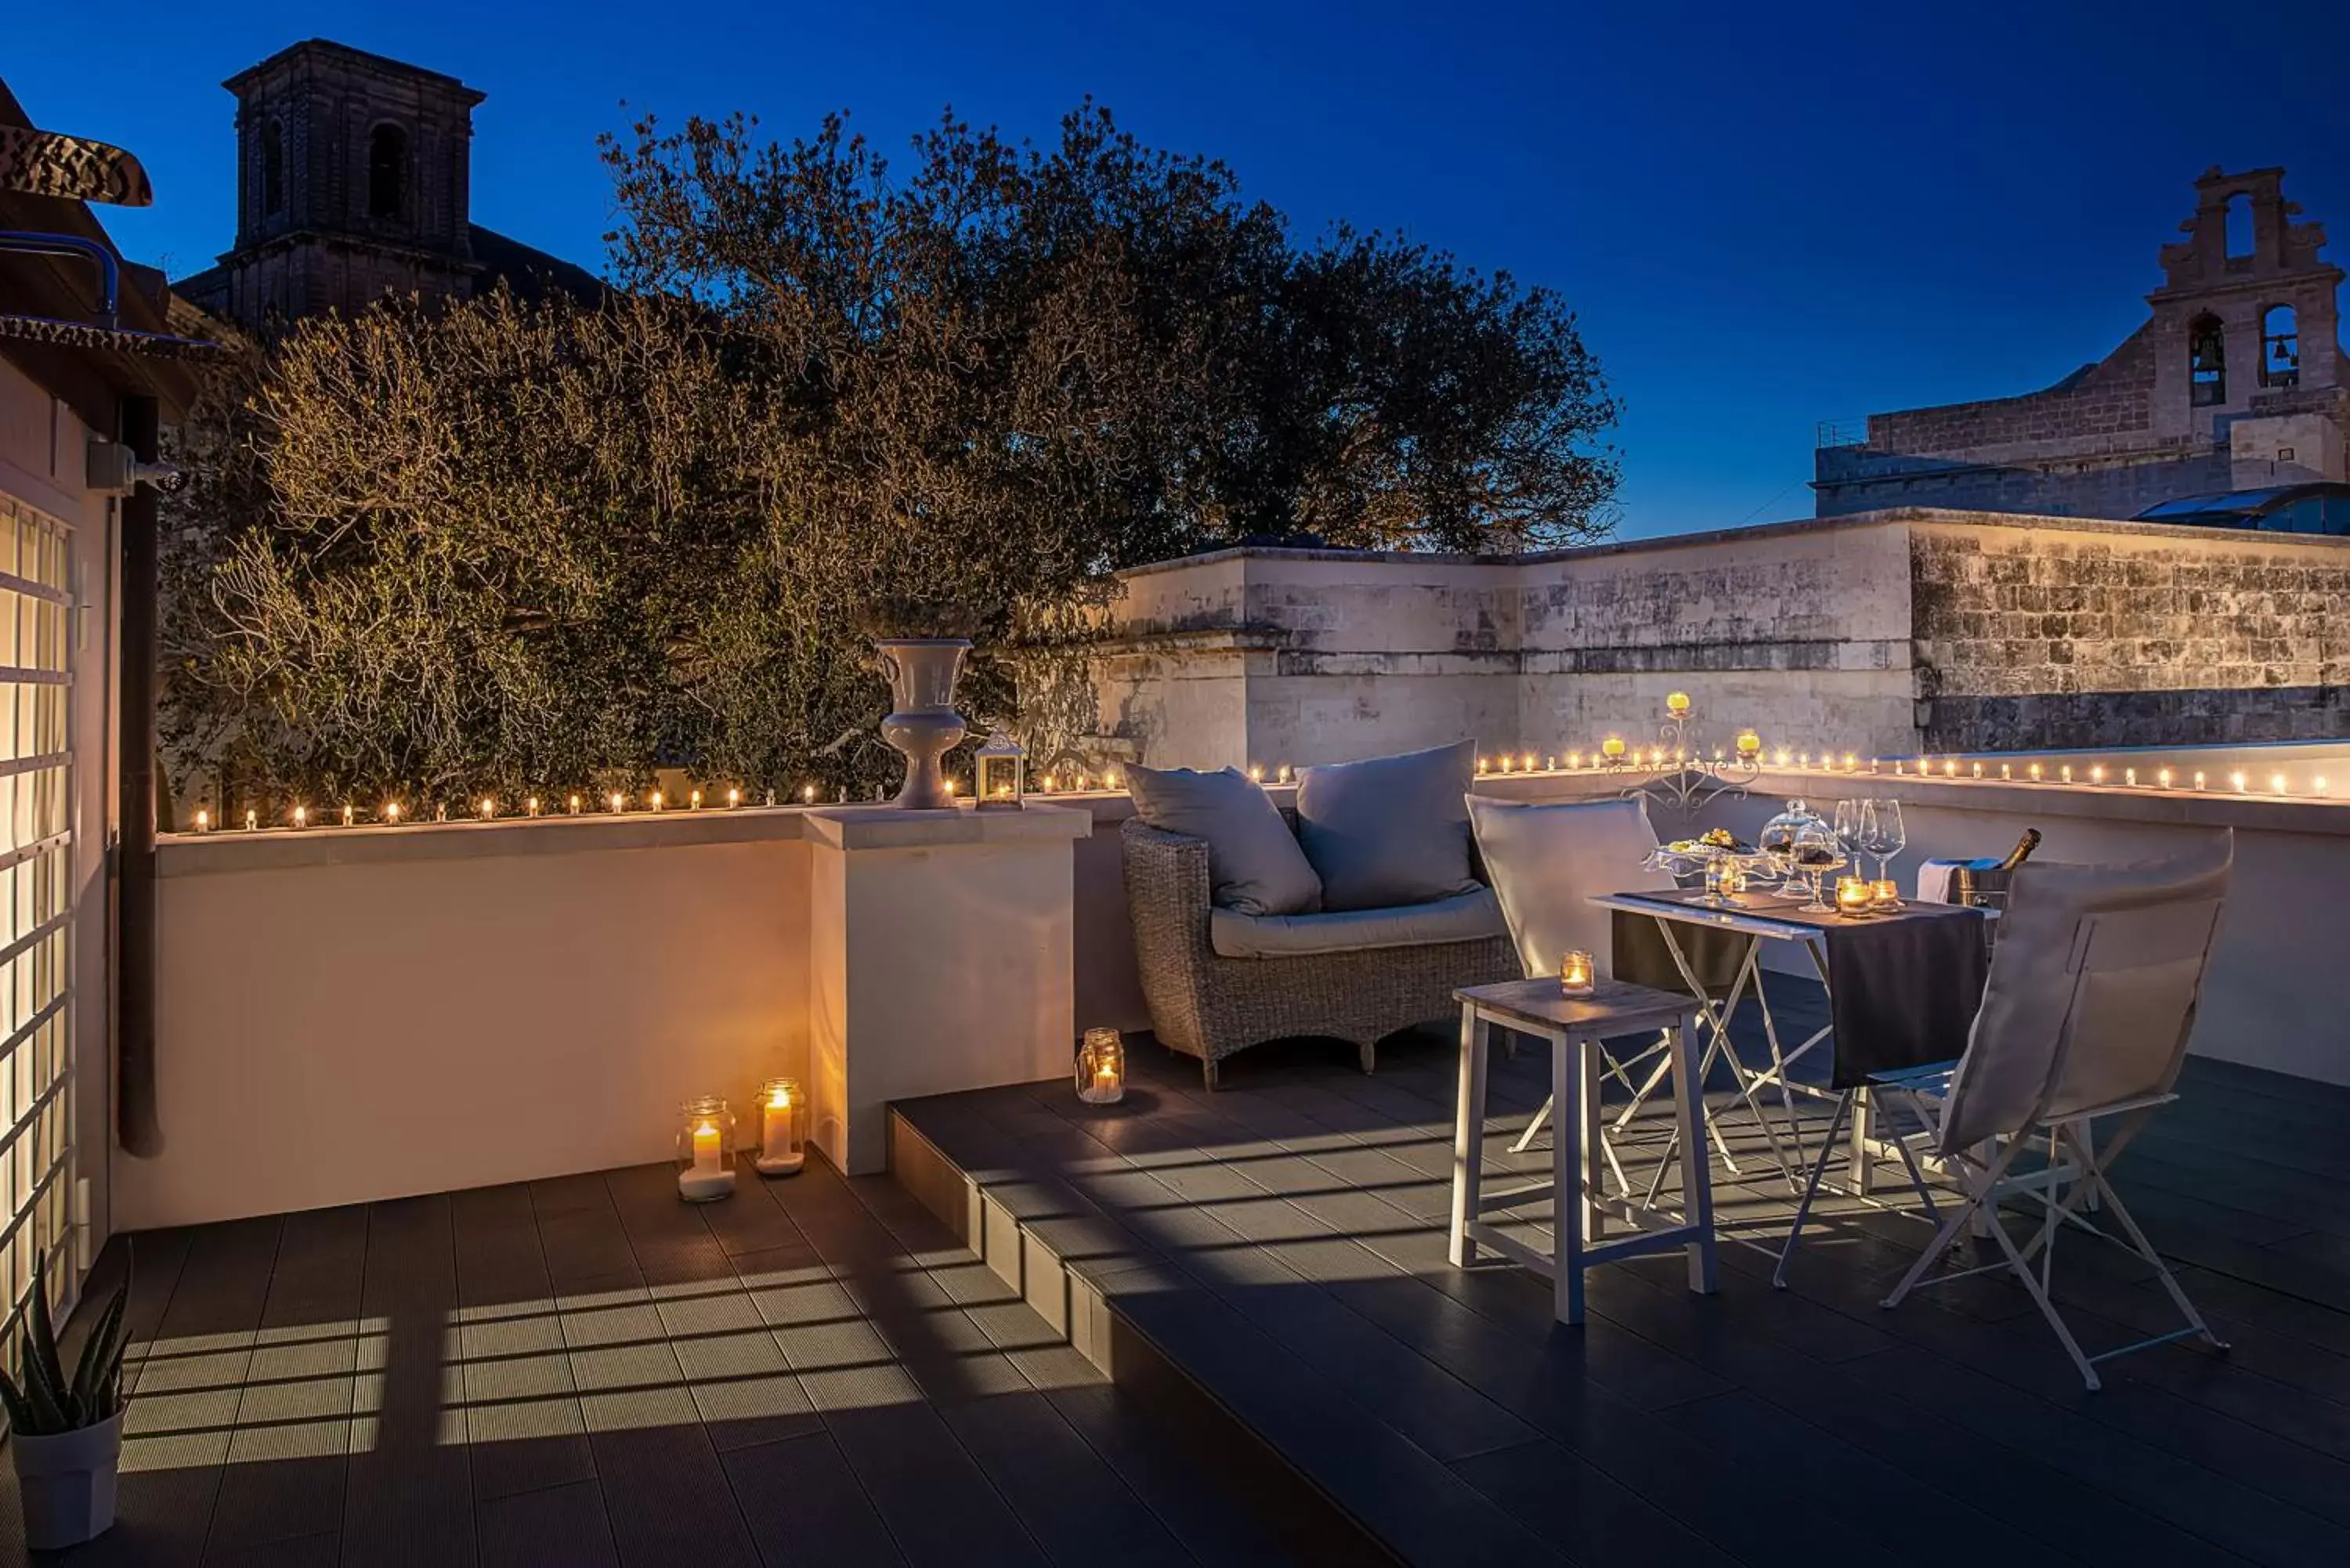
x,y
1903,989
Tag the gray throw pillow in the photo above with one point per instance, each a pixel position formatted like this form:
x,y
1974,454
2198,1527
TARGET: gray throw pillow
x,y
1390,831
1254,865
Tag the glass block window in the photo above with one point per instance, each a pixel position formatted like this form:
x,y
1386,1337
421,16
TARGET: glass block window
x,y
36,883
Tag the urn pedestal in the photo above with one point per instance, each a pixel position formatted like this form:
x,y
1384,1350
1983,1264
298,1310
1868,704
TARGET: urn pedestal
x,y
922,725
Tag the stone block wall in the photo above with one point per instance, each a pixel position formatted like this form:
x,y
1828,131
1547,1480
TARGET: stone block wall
x,y
1888,634
2050,637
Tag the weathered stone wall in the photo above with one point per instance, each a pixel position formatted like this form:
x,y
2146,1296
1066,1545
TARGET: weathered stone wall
x,y
1884,635
2053,637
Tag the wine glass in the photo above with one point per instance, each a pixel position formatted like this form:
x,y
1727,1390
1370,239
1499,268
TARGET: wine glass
x,y
1887,835
1849,814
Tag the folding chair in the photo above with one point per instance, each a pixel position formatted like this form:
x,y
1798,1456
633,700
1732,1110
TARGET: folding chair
x,y
1545,863
2091,998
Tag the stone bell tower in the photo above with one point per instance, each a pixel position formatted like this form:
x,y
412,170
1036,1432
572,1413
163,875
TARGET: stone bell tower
x,y
352,182
2246,336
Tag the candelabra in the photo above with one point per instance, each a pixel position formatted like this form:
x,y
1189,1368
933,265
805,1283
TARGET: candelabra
x,y
1680,775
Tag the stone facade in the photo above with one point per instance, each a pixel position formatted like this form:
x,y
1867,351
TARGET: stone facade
x,y
1888,634
354,182
2236,381
2071,639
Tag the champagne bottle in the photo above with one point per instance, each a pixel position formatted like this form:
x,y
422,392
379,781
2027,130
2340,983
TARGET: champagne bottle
x,y
2023,850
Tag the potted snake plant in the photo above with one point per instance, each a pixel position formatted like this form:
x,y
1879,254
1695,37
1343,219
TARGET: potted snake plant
x,y
66,1434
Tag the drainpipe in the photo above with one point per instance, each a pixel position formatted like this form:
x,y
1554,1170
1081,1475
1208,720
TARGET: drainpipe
x,y
134,936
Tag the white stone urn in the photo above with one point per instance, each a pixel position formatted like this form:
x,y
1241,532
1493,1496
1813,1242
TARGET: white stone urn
x,y
922,724
67,1480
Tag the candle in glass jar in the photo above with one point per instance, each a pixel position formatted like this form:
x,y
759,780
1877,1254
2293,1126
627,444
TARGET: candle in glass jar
x,y
1611,747
1853,893
1576,974
1885,894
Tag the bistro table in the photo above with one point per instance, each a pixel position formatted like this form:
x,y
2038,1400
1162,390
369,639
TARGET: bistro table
x,y
1903,986
1580,1207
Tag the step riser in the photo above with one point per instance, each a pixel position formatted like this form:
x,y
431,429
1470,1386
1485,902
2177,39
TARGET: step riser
x,y
1314,1531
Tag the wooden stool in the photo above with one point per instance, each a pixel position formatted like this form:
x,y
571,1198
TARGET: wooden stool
x,y
1580,1208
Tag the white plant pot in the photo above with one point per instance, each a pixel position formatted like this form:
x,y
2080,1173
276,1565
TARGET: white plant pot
x,y
67,1480
923,725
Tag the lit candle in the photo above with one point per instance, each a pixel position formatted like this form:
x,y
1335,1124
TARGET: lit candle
x,y
2237,780
575,805
1576,974
203,822
1109,778
1885,894
2129,777
2163,778
1526,763
531,805
733,797
656,800
2035,771
2097,774
2065,773
2199,781
1481,764
695,799
708,1175
2004,772
2276,783
1851,763
489,808
1950,767
1507,762
2317,784
808,793
1283,772
301,816
350,815
618,800
1803,759
1676,703
1574,759
1782,756
1978,770
780,1150
251,819
1256,774
1854,894
391,812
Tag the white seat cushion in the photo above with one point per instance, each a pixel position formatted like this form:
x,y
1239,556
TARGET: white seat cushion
x,y
1463,918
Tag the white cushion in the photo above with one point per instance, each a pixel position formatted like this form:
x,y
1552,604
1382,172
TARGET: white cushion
x,y
1464,918
1547,862
1254,865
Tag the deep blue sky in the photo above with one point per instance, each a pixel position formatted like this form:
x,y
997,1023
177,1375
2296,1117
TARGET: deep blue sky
x,y
1767,214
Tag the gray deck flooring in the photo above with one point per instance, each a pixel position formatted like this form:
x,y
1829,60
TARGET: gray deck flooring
x,y
1283,1242
587,1372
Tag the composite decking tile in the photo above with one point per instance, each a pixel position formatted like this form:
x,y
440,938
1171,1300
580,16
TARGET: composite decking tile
x,y
553,1527
806,1506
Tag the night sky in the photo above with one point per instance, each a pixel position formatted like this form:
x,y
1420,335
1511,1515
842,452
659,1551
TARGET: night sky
x,y
1768,215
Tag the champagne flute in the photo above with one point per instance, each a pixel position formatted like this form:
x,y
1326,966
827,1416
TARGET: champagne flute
x,y
1849,818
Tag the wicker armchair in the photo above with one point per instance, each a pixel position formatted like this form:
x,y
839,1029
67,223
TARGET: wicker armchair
x,y
1210,1006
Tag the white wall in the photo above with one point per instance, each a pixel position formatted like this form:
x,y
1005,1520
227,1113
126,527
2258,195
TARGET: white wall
x,y
446,1007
